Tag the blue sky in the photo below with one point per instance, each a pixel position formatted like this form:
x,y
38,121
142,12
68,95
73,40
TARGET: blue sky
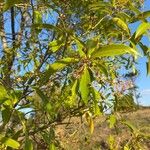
x,y
143,81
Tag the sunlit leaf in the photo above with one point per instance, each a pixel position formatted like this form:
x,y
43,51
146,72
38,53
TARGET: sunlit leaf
x,y
55,45
91,126
112,120
84,85
52,147
114,50
57,66
74,92
111,141
130,125
80,48
37,17
142,29
3,94
120,23
90,122
10,142
126,147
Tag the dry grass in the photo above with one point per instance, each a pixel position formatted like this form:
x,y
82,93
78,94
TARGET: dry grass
x,y
76,136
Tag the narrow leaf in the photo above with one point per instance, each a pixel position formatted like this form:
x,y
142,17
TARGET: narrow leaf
x,y
52,147
84,85
112,121
130,126
80,47
37,17
73,92
142,16
91,126
144,48
3,94
55,45
60,64
114,50
10,142
120,23
142,29
28,145
103,69
57,66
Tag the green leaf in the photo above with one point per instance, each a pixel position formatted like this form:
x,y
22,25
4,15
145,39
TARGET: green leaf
x,y
114,50
41,95
49,107
120,23
96,95
97,111
133,8
60,64
112,121
3,94
84,85
148,66
28,145
111,141
126,147
52,147
123,16
6,114
91,125
142,16
103,69
142,29
57,66
130,126
55,45
96,99
91,43
10,142
74,92
37,17
90,121
80,47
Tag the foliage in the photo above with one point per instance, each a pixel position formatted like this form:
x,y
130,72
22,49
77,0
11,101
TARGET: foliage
x,y
61,59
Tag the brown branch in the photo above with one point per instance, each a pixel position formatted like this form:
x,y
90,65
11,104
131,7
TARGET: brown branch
x,y
22,25
10,53
2,33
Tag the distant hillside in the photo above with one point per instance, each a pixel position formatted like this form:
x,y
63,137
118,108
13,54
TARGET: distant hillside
x,y
76,136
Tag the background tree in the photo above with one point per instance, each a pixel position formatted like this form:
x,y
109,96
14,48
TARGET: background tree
x,y
61,59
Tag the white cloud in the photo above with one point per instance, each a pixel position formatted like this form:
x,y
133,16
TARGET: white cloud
x,y
145,92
